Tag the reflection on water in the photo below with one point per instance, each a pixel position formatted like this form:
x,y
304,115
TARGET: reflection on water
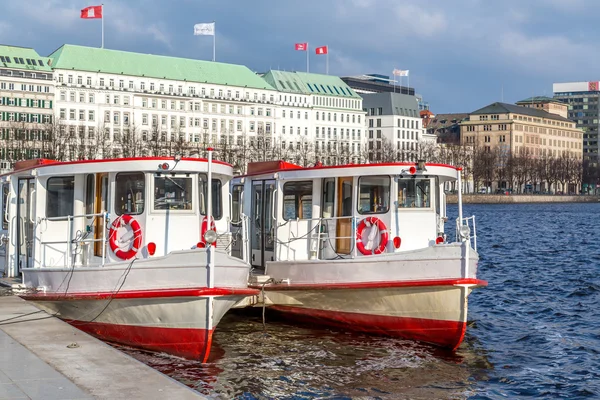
x,y
288,362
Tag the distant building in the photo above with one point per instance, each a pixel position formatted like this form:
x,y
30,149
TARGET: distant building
x,y
518,129
26,105
446,127
427,116
511,129
394,127
582,100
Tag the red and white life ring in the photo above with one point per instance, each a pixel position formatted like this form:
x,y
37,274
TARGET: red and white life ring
x,y
136,243
371,222
204,228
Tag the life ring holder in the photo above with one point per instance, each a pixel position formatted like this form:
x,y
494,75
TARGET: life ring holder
x,y
370,222
123,220
204,228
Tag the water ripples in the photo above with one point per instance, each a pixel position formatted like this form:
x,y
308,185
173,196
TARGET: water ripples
x,y
533,332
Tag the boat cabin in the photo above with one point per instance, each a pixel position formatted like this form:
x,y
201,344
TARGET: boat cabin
x,y
91,213
340,212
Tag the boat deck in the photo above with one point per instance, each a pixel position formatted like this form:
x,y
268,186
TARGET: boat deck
x,y
42,357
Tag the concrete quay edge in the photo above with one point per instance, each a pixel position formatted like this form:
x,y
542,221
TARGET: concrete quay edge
x,y
99,370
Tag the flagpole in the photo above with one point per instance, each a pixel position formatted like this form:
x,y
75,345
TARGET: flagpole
x,y
307,53
327,61
214,41
102,5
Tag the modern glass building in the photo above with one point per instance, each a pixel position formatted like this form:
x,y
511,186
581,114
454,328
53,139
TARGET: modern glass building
x,y
582,100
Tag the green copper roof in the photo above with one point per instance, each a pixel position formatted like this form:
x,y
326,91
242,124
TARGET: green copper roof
x,y
23,58
307,83
94,59
538,99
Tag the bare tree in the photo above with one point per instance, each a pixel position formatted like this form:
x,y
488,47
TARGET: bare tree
x,y
130,142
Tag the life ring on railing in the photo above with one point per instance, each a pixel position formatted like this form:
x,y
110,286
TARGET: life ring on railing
x,y
136,244
371,222
204,228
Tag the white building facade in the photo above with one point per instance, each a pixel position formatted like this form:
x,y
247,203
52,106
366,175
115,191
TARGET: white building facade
x,y
112,103
395,129
26,105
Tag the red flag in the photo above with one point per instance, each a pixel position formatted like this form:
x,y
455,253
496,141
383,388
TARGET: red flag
x,y
91,12
321,50
301,46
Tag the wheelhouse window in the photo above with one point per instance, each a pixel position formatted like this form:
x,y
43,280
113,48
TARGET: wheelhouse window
x,y
89,194
130,193
217,204
172,193
414,193
329,198
373,194
297,200
60,196
236,204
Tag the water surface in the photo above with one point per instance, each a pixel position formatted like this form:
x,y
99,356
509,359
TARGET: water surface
x,y
533,332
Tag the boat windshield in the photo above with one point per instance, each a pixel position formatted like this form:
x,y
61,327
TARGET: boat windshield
x,y
414,192
172,193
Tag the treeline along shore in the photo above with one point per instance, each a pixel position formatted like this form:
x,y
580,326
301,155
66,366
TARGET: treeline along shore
x,y
520,198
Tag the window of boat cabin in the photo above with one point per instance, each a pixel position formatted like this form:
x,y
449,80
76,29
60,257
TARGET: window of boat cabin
x,y
172,192
217,204
373,194
130,193
327,207
236,202
297,200
89,194
414,192
60,196
5,190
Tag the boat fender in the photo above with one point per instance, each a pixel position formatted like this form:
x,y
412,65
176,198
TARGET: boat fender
x,y
204,228
371,222
124,220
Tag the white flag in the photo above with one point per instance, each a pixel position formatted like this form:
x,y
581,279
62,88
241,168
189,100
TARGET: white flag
x,y
205,29
399,72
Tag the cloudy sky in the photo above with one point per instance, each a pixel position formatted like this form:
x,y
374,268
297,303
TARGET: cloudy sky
x,y
462,54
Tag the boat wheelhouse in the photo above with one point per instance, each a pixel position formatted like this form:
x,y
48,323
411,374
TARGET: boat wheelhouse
x,y
123,248
362,247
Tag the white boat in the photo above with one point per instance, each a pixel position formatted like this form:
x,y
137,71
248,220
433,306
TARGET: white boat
x,y
121,248
361,247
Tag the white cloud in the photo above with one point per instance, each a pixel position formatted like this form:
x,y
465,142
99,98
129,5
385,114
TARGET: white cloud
x,y
419,21
549,55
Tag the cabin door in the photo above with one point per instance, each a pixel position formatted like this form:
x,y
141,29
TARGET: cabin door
x,y
262,229
100,200
344,209
25,216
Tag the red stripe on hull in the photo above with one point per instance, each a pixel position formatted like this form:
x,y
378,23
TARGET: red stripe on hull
x,y
447,334
374,285
143,294
193,344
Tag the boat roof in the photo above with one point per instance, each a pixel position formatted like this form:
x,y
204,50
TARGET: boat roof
x,y
44,167
286,170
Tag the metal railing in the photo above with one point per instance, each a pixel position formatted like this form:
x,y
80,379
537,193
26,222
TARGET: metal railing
x,y
466,231
316,234
69,258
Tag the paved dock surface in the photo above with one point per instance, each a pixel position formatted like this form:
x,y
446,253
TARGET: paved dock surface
x,y
42,357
